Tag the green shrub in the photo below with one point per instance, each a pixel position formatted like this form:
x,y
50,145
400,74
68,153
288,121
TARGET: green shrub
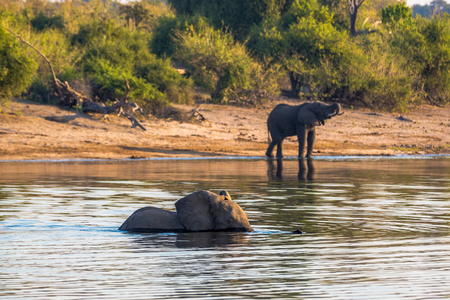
x,y
237,16
109,84
16,68
164,37
40,91
115,54
436,72
425,46
56,46
42,22
395,13
168,81
218,63
315,43
268,43
386,85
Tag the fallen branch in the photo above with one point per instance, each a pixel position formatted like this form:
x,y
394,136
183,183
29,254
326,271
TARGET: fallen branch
x,y
134,121
195,113
429,97
71,98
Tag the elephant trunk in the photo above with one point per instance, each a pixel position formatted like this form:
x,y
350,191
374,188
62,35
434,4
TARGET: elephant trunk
x,y
337,110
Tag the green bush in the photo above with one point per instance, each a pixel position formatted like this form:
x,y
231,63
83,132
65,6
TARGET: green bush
x,y
162,42
40,91
176,88
268,43
16,68
384,84
237,16
42,22
424,46
115,54
164,37
315,42
395,13
435,74
109,83
218,63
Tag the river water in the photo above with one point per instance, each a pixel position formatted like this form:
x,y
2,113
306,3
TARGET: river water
x,y
374,228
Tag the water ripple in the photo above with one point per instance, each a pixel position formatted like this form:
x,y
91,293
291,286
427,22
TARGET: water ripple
x,y
373,230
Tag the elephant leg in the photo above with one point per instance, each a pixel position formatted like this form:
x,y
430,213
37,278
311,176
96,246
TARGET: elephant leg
x,y
301,135
270,149
280,149
311,138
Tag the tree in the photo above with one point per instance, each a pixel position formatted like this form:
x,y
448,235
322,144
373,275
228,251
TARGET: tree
x,y
236,15
354,6
435,7
395,13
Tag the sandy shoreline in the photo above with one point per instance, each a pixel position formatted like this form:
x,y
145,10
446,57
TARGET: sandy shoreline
x,y
30,131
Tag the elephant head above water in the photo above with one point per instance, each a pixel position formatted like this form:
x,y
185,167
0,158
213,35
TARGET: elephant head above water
x,y
199,211
288,120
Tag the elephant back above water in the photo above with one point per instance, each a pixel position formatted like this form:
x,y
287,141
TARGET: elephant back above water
x,y
199,211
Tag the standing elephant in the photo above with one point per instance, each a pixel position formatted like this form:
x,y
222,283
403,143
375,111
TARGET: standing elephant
x,y
199,211
288,120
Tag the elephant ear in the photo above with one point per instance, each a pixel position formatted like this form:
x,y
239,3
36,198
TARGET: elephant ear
x,y
194,211
226,194
309,114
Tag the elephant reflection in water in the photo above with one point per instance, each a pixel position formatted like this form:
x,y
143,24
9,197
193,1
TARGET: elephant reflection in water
x,y
305,169
203,239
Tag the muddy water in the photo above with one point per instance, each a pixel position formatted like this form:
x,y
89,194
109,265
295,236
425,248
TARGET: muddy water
x,y
374,228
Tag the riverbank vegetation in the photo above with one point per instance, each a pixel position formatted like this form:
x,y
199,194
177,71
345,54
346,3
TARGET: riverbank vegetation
x,y
241,52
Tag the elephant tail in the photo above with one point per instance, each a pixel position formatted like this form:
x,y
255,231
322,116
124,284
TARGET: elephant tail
x,y
269,140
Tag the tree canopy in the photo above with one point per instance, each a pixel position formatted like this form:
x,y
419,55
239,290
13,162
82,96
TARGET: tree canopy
x,y
238,51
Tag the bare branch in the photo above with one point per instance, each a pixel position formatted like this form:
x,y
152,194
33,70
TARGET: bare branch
x,y
134,121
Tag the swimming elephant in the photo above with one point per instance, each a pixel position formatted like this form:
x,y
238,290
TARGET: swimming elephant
x,y
288,120
199,211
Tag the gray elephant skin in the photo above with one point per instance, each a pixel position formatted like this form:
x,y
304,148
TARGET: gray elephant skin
x,y
199,211
288,120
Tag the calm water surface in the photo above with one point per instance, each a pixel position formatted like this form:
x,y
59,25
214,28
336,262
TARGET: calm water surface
x,y
374,229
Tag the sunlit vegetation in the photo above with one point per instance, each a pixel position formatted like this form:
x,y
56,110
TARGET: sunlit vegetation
x,y
236,51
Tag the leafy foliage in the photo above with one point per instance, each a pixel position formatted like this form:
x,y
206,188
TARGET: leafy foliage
x,y
118,54
234,49
395,13
218,63
425,48
41,22
16,68
237,16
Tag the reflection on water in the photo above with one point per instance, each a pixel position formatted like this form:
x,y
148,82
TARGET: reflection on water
x,y
374,228
305,169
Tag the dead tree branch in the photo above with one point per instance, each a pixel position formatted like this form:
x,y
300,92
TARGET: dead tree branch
x,y
71,98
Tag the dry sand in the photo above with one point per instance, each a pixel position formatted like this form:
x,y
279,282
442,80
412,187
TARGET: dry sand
x,y
33,131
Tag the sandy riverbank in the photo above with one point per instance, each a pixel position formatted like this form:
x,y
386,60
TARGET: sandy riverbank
x,y
33,131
